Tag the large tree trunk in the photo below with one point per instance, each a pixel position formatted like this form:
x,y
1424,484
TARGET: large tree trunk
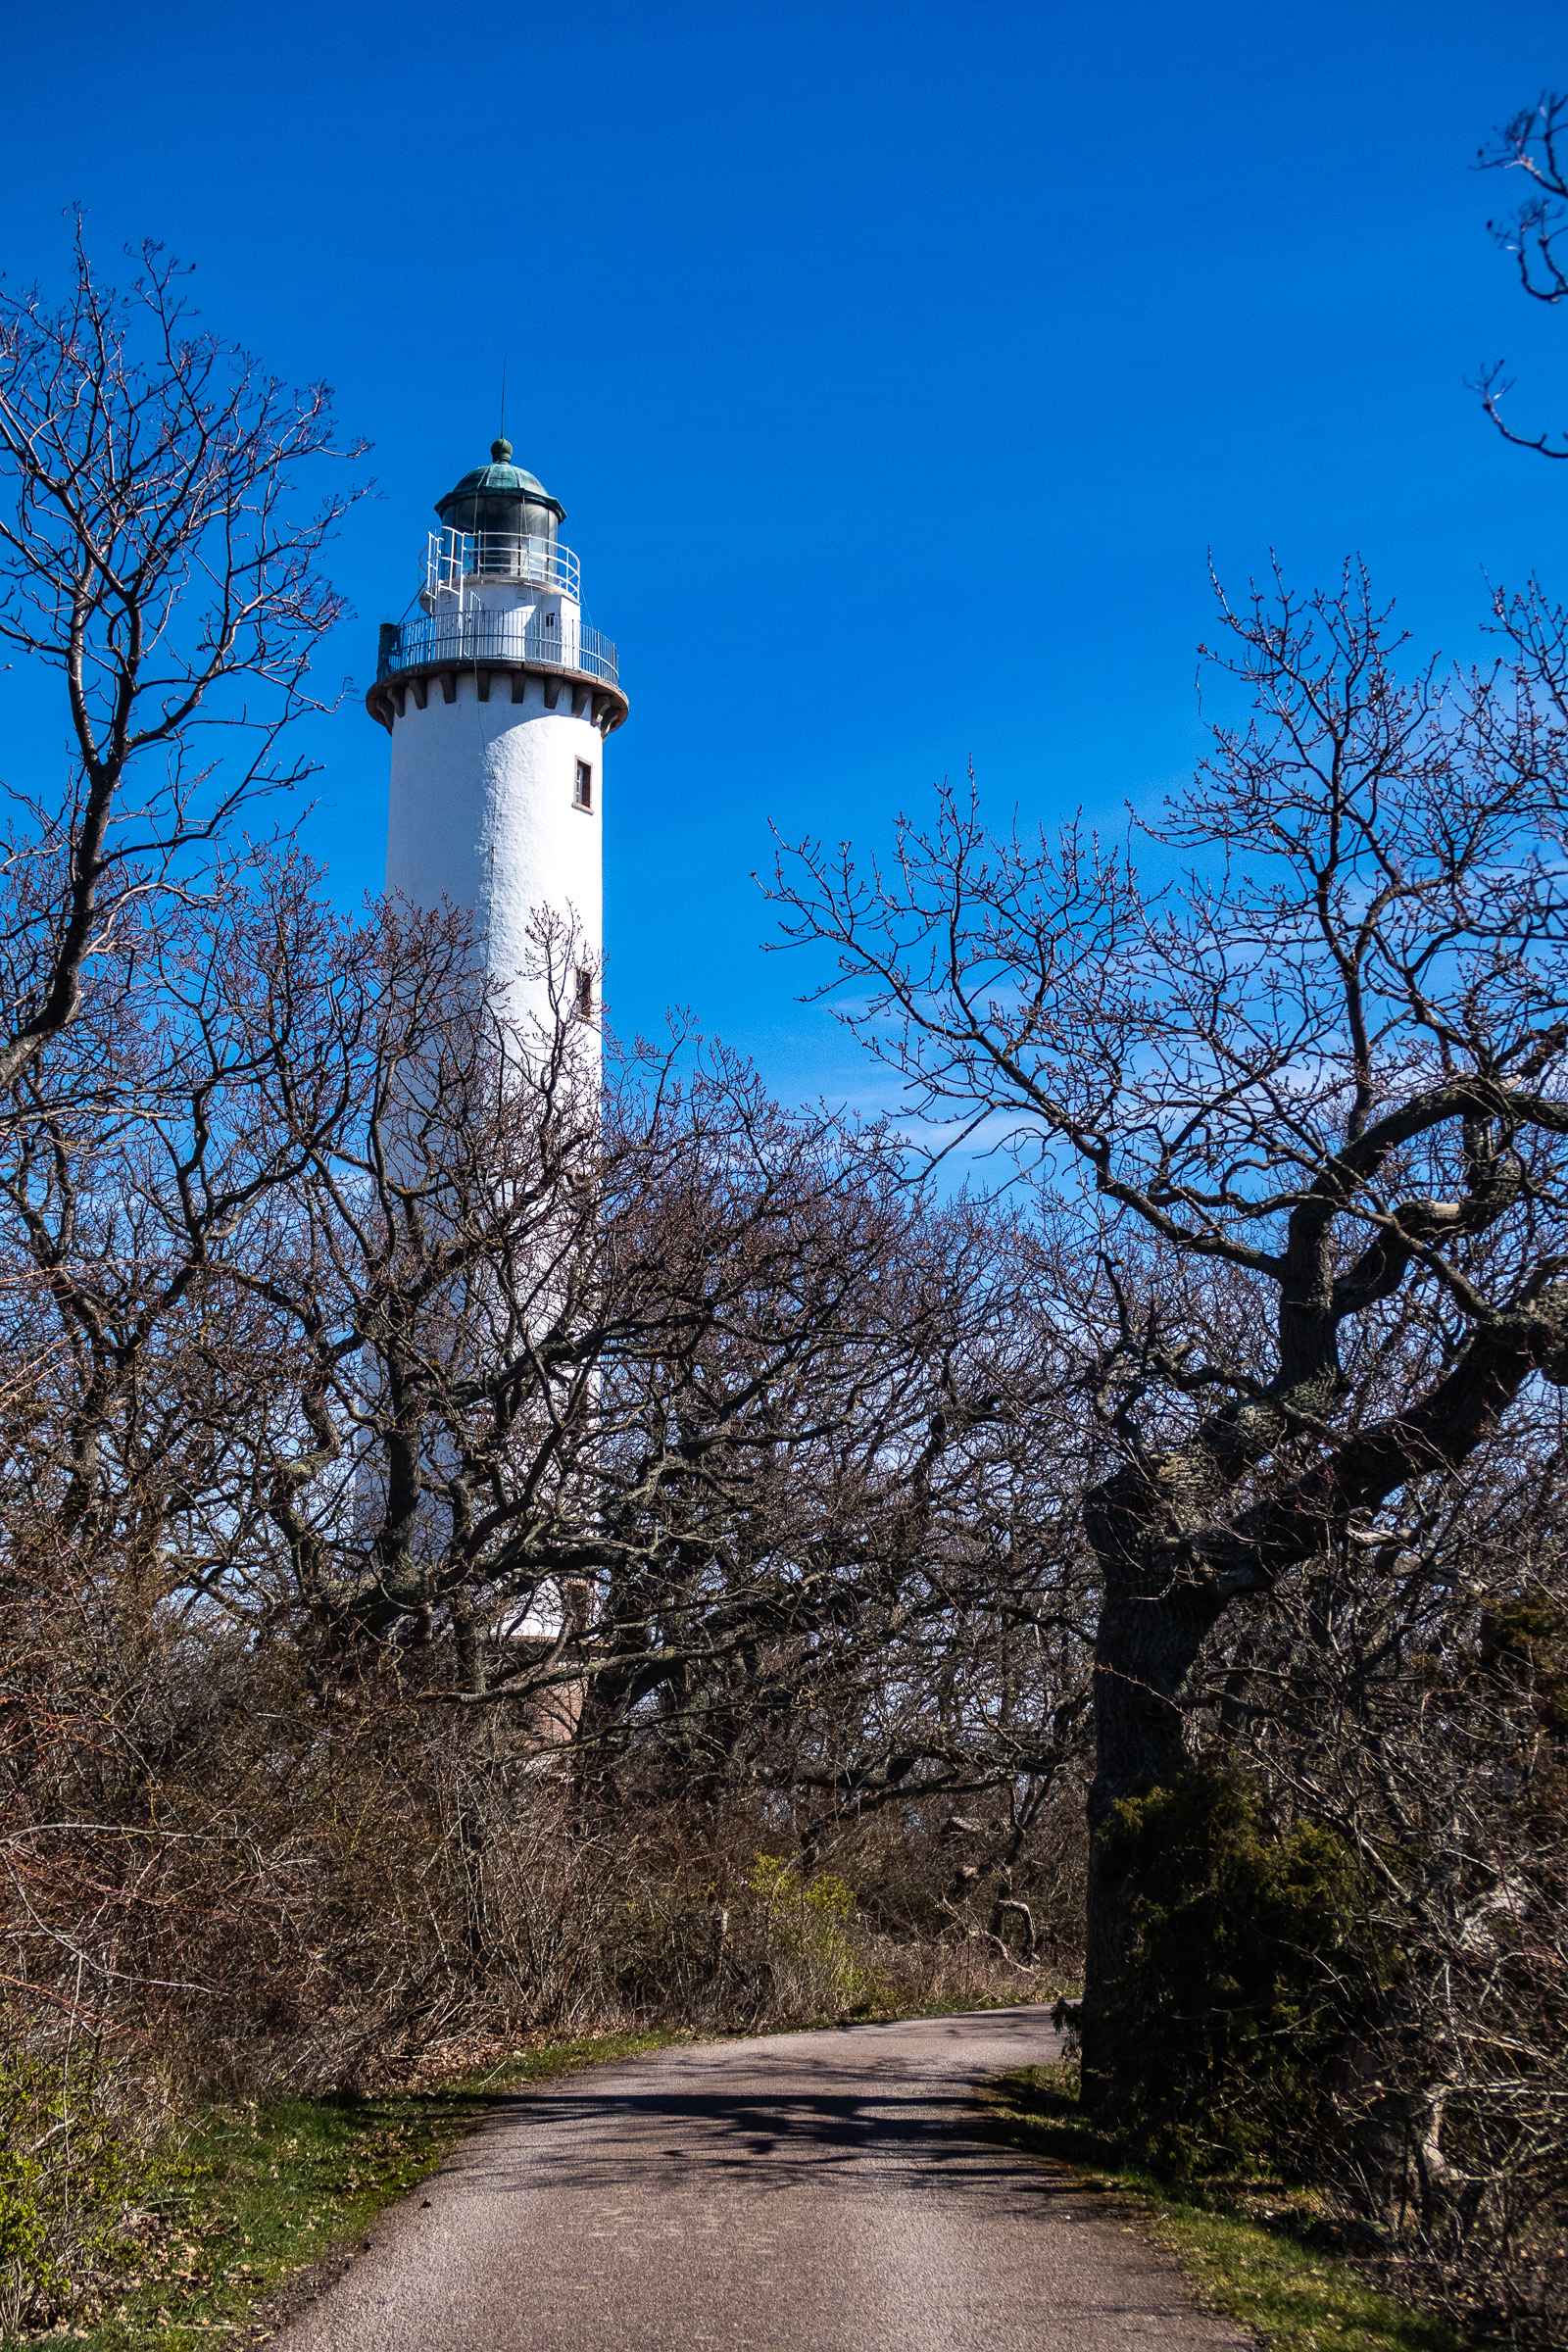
x,y
1152,1623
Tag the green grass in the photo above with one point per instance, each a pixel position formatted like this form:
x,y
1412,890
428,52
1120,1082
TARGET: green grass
x,y
1263,2274
249,2198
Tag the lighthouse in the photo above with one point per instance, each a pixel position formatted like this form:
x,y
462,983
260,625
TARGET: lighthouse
x,y
500,699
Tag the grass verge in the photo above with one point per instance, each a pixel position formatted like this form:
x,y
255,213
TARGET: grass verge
x,y
257,2209
1263,2273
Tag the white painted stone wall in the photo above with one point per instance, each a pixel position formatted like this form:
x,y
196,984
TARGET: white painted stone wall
x,y
482,811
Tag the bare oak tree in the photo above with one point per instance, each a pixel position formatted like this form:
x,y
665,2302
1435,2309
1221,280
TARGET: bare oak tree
x,y
1309,1094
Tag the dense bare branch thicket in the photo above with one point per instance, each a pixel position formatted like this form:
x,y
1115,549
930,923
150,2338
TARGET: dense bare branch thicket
x,y
412,1467
1419,1714
1305,1109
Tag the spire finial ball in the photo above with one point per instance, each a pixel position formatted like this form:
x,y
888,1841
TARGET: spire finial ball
x,y
501,452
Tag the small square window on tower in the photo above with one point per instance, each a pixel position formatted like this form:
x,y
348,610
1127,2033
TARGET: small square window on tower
x,y
583,796
585,994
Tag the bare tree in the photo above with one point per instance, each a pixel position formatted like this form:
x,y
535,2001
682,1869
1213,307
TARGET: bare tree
x,y
155,555
1309,1094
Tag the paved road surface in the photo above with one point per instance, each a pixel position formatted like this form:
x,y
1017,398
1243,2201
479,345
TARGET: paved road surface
x,y
824,2193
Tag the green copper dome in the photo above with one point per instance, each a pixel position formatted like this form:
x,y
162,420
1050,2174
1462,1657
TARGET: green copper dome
x,y
503,489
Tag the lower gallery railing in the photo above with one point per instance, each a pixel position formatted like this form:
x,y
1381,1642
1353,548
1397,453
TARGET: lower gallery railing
x,y
472,639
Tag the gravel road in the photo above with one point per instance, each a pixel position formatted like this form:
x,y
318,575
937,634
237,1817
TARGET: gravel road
x,y
827,2192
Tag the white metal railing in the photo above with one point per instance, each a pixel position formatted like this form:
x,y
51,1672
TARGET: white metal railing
x,y
474,635
452,557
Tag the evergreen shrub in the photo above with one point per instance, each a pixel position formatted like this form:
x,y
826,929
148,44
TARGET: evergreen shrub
x,y
1249,1966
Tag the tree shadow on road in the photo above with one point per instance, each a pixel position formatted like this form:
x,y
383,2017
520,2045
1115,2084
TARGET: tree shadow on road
x,y
833,2113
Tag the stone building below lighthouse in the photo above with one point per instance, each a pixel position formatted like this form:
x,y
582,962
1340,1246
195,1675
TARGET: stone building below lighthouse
x,y
500,699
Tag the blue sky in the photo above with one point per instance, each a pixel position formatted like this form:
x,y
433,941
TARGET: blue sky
x,y
898,366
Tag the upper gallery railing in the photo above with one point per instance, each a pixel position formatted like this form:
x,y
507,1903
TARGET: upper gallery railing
x,y
452,557
476,635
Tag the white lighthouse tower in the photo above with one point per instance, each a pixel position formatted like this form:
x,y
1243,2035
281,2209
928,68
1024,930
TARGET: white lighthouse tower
x,y
499,698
